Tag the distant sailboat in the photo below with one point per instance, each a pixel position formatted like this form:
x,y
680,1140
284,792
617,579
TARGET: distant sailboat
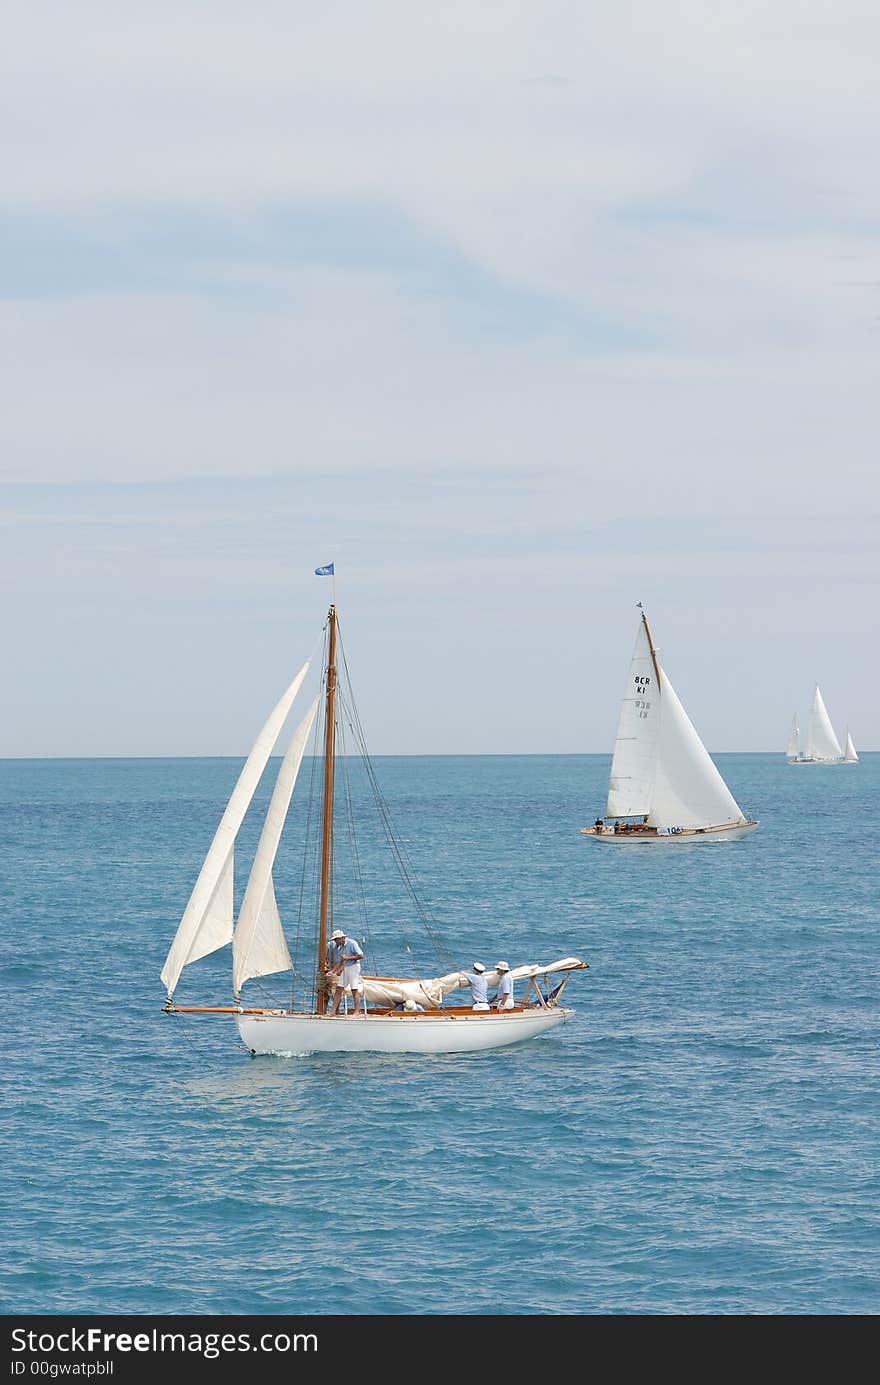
x,y
794,740
663,784
821,746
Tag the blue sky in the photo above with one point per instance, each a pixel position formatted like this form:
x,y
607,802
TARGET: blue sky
x,y
519,313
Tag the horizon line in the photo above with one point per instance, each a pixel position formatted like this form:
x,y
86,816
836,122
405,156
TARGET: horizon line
x,y
386,755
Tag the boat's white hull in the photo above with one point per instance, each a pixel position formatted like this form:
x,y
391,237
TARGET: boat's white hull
x,y
841,761
727,832
422,1032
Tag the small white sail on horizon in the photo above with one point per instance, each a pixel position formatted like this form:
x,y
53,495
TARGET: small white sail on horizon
x,y
849,754
661,771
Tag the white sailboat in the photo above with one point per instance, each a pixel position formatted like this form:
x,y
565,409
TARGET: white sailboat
x,y
821,746
400,1014
663,785
793,740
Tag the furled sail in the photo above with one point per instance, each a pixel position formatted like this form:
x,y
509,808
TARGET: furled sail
x,y
397,990
634,761
688,790
849,754
793,740
822,744
206,925
259,947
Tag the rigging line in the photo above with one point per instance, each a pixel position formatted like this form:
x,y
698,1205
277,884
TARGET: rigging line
x,y
360,892
345,705
403,863
275,1004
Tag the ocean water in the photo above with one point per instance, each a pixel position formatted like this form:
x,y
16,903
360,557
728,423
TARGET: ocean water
x,y
701,1137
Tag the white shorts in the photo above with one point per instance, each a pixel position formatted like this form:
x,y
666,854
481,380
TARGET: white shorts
x,y
351,976
480,1005
506,1003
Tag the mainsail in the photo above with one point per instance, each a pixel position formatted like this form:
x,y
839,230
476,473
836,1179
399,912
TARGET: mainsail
x,y
259,947
634,763
207,922
822,744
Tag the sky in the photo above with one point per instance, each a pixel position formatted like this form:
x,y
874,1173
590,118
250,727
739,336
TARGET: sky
x,y
519,313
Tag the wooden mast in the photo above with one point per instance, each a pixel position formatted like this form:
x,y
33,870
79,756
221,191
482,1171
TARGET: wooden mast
x,y
652,649
327,837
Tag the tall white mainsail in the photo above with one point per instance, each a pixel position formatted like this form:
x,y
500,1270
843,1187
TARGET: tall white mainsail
x,y
259,947
207,920
688,790
634,762
822,744
849,754
793,740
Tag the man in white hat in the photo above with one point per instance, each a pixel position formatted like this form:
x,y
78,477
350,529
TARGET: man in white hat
x,y
504,993
344,957
476,979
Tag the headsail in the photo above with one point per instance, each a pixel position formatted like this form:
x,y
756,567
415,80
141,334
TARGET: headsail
x,y
205,926
635,750
688,790
822,744
259,947
793,740
849,755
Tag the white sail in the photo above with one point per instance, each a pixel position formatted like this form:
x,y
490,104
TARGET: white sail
x,y
635,751
688,790
822,744
216,929
793,740
849,754
259,947
202,929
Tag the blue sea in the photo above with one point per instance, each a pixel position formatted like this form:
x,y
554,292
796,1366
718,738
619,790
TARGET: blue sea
x,y
700,1138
